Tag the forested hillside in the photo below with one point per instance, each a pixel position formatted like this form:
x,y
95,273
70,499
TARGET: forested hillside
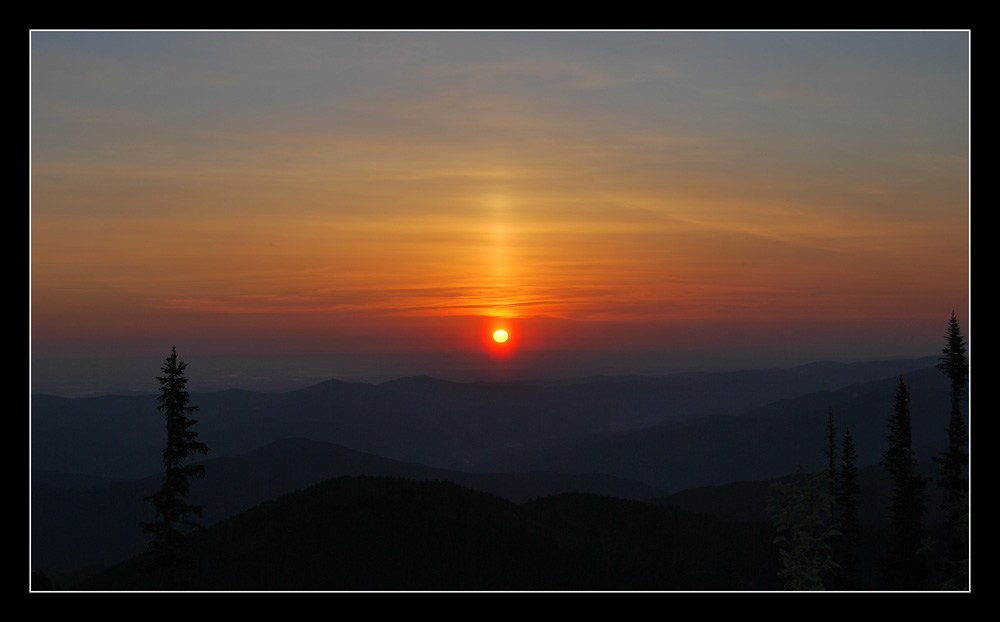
x,y
394,534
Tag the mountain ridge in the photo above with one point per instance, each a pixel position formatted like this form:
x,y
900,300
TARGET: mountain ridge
x,y
119,436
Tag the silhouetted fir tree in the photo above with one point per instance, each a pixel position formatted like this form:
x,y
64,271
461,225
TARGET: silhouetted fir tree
x,y
847,548
952,464
903,565
167,550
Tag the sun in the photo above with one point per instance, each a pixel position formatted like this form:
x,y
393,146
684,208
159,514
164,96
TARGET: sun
x,y
500,337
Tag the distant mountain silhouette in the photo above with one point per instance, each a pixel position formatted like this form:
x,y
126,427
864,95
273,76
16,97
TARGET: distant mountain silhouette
x,y
603,435
762,443
420,419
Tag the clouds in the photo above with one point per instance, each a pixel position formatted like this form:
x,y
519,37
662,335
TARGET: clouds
x,y
599,177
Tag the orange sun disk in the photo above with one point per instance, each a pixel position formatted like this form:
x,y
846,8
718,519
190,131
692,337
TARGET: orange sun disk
x,y
500,338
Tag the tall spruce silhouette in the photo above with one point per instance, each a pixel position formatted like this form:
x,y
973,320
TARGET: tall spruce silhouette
x,y
847,547
903,565
952,464
168,548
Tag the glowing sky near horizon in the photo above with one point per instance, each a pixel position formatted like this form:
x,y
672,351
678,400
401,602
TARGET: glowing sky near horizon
x,y
339,191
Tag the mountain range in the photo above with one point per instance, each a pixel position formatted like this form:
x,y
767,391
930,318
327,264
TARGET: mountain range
x,y
94,459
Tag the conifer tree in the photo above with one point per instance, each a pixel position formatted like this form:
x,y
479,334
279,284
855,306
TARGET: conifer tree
x,y
903,565
847,547
167,549
952,463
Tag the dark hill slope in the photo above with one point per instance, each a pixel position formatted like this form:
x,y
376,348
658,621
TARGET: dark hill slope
x,y
747,501
98,525
393,534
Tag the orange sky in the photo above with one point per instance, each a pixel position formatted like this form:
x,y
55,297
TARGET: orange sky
x,y
392,191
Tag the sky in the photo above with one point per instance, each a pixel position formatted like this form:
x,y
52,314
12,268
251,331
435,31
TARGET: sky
x,y
292,206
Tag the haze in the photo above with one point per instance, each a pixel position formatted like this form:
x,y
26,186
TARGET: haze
x,y
287,207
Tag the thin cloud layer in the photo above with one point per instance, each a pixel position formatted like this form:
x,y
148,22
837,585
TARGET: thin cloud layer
x,y
302,180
